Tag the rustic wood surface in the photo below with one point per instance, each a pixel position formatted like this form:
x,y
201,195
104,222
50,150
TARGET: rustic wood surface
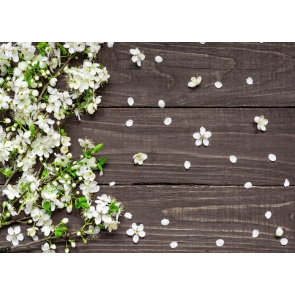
x,y
208,201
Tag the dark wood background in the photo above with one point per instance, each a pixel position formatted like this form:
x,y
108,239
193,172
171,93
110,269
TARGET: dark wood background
x,y
208,201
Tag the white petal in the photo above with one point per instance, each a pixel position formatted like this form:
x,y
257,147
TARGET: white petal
x,y
202,42
135,238
164,221
256,119
202,131
128,215
286,183
205,142
284,241
17,230
218,84
141,234
9,238
11,231
187,164
199,142
272,157
208,134
191,84
220,243
110,44
112,183
173,244
20,237
158,59
140,227
167,121
130,101
249,81
129,123
130,232
196,135
255,233
268,215
233,159
134,58
134,226
248,185
15,242
133,51
161,104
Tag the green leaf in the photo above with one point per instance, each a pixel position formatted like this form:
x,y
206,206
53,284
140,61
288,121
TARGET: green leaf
x,y
63,50
97,148
28,76
114,209
85,205
57,234
99,166
7,172
46,205
77,205
102,161
41,46
61,228
101,226
33,131
44,173
48,212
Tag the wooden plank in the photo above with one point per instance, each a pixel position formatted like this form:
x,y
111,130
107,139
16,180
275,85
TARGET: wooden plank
x,y
269,64
168,147
198,215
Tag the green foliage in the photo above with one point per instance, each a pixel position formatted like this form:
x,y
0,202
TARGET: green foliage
x,y
81,203
42,46
62,49
46,205
28,76
7,172
59,230
97,148
33,131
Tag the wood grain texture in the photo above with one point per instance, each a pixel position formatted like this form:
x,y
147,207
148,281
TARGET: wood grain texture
x,y
168,147
271,65
199,215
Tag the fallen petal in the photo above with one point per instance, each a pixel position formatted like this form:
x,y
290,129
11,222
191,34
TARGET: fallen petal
x,y
248,185
130,101
218,84
173,244
284,241
233,159
129,123
161,104
167,121
287,183
112,183
164,221
110,44
255,233
220,243
128,215
268,215
187,164
272,157
158,59
249,81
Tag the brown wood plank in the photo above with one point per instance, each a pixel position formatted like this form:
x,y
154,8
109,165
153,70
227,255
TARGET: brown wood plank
x,y
168,147
198,215
271,65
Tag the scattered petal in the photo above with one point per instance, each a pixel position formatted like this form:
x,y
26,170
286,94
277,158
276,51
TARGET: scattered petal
x,y
128,215
249,81
130,101
218,84
272,157
202,42
220,243
233,159
167,121
112,183
164,221
284,241
187,164
255,233
173,244
287,183
129,123
268,215
110,44
161,104
136,238
248,185
158,58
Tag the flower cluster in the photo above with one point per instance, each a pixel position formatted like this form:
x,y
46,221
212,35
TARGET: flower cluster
x,y
33,144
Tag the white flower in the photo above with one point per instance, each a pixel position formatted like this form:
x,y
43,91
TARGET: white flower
x,y
279,232
32,231
111,225
92,230
137,56
139,158
89,187
195,81
261,122
202,137
87,143
46,248
136,232
14,235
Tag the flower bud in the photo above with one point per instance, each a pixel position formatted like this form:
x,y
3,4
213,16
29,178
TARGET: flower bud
x,y
53,246
35,92
47,72
279,232
78,233
36,78
73,244
67,250
69,208
7,121
65,220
